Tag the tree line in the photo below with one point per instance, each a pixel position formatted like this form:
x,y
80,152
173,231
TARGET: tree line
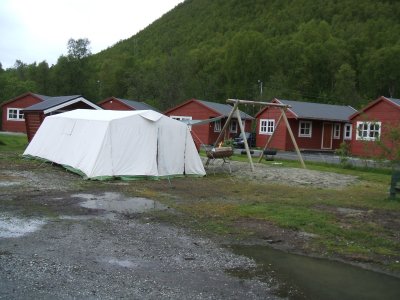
x,y
342,52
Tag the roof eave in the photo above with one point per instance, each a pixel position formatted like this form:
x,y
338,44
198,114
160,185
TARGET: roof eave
x,y
72,101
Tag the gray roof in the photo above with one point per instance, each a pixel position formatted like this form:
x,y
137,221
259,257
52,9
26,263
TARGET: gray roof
x,y
224,109
318,111
137,105
49,102
395,101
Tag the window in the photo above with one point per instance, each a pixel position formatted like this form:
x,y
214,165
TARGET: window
x,y
180,118
234,126
267,126
15,114
347,131
368,131
305,129
217,126
336,131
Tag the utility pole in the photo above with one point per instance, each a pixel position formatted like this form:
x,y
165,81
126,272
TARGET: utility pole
x,y
261,88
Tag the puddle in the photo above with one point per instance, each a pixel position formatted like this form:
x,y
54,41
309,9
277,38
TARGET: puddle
x,y
8,183
12,227
116,202
122,263
301,277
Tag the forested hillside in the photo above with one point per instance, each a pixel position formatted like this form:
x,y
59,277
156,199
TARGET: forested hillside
x,y
342,51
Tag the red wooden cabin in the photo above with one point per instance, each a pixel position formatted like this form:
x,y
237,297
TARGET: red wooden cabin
x,y
12,111
372,123
114,103
315,126
207,134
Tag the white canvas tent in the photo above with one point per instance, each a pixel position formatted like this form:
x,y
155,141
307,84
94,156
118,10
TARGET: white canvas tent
x,y
127,144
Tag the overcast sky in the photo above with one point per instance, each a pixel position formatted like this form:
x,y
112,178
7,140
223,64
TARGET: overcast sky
x,y
38,30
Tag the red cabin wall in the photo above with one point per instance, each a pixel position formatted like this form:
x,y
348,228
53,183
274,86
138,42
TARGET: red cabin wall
x,y
113,104
23,102
203,133
383,111
279,139
282,140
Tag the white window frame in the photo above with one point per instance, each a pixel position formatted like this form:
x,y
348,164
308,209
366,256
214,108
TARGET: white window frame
x,y
267,126
368,129
347,131
309,123
336,131
17,111
233,128
217,126
180,118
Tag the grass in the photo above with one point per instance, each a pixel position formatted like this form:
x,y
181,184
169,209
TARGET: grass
x,y
12,144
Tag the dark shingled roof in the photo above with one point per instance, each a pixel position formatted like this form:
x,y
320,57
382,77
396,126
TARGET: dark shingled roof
x,y
318,111
395,101
224,109
49,102
137,105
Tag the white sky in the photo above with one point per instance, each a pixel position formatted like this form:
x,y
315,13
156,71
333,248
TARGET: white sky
x,y
38,30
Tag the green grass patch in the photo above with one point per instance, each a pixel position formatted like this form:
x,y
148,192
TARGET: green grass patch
x,y
13,143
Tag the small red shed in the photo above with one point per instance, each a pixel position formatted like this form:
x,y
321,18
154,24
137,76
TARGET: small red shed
x,y
208,133
372,123
12,111
114,103
35,114
315,126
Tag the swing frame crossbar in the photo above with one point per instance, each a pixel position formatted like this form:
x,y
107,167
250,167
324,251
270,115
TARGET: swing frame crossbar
x,y
235,110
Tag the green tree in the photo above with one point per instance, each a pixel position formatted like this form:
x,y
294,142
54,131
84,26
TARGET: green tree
x,y
78,49
381,72
248,59
345,86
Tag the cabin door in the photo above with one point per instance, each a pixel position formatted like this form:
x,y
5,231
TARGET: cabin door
x,y
327,133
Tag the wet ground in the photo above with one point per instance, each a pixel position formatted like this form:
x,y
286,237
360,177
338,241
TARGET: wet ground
x,y
91,249
62,237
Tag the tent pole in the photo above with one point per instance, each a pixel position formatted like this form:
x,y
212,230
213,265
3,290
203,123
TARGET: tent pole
x,y
246,145
294,141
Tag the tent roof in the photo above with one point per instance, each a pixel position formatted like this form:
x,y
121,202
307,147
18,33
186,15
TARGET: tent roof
x,y
109,115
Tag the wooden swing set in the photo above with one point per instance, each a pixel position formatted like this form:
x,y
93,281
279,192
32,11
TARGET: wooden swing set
x,y
283,116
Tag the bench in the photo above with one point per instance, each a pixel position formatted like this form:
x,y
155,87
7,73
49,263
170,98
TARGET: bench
x,y
269,154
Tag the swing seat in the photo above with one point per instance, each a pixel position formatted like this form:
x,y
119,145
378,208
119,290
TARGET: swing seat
x,y
269,154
